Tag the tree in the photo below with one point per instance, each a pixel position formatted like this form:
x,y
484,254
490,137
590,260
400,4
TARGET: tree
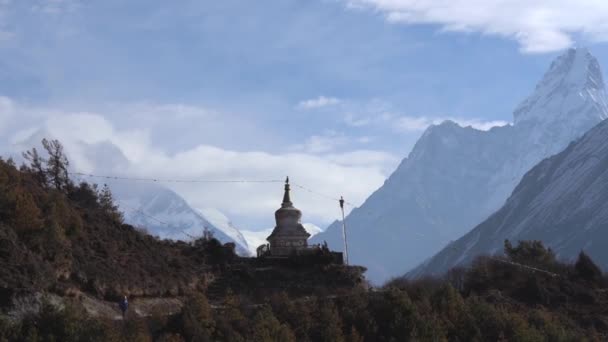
x,y
297,314
587,269
231,323
57,164
26,214
531,253
329,323
267,328
396,315
106,202
198,324
36,165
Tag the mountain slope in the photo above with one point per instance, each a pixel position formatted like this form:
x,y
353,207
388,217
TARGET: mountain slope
x,y
163,213
221,222
457,176
563,201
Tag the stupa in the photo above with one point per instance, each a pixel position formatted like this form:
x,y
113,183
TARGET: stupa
x,y
289,236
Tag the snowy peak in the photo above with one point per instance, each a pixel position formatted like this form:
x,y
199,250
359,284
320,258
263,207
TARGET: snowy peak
x,y
573,86
165,214
223,223
576,68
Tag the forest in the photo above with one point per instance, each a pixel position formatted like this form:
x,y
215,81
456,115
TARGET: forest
x,y
62,238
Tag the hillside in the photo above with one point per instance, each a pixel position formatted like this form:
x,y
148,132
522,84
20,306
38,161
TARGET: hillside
x,y
455,177
66,257
61,237
494,300
562,201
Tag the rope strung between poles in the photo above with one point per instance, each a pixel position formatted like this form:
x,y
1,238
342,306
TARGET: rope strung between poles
x,y
163,180
322,195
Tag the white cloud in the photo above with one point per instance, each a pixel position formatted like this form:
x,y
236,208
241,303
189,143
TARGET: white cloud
x,y
479,124
408,123
319,102
381,160
537,25
355,121
420,123
329,141
380,114
354,174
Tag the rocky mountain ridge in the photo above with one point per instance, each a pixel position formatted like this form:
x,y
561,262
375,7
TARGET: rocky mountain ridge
x,y
562,202
455,176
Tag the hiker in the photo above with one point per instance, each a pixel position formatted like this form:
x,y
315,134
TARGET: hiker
x,y
124,305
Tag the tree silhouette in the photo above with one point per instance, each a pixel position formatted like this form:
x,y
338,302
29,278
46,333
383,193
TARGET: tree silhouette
x,y
57,164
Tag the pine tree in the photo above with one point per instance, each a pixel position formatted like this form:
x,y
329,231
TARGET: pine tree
x,y
106,202
587,269
57,164
36,165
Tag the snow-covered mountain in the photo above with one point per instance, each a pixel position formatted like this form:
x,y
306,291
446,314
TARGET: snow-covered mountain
x,y
312,229
223,223
258,238
563,201
455,176
163,213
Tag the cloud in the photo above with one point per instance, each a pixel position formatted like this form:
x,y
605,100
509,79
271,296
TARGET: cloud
x,y
88,135
420,123
408,123
355,121
381,115
537,25
382,160
319,102
329,141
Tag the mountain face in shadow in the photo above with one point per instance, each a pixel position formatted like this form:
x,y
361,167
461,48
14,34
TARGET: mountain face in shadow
x,y
563,201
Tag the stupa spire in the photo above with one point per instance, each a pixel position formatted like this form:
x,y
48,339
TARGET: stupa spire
x,y
286,198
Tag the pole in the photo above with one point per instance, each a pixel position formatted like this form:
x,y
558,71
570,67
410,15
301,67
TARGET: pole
x,y
344,229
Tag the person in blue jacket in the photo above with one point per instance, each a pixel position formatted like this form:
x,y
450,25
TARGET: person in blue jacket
x,y
124,305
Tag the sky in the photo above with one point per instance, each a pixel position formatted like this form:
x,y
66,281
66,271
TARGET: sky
x,y
333,93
